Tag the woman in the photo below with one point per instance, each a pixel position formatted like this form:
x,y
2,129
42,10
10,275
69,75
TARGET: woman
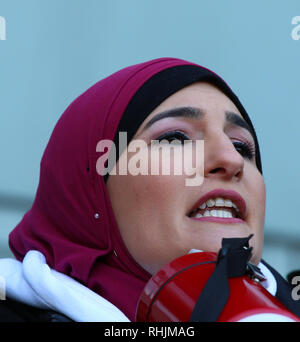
x,y
92,240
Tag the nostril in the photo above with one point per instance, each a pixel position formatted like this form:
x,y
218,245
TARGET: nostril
x,y
239,174
218,169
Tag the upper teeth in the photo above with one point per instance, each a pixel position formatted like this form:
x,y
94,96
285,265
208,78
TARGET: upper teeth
x,y
219,202
216,202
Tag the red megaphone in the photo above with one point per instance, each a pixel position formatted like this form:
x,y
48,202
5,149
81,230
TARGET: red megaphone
x,y
171,294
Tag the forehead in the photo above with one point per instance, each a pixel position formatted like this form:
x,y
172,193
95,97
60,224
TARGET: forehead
x,y
201,94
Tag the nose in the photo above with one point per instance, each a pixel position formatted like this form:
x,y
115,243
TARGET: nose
x,y
221,159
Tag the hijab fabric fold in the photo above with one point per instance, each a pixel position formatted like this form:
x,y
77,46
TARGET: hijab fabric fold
x,y
71,221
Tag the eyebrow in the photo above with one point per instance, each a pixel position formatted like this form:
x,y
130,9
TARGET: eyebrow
x,y
197,113
237,120
184,112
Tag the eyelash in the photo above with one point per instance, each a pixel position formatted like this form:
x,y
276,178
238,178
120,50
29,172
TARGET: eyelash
x,y
173,136
246,149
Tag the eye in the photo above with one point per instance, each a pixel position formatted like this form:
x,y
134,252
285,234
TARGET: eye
x,y
245,149
174,135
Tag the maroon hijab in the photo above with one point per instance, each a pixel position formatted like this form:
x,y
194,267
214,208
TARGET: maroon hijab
x,y
71,221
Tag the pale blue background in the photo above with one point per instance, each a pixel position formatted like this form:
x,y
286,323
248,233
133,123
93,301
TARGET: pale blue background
x,y
56,49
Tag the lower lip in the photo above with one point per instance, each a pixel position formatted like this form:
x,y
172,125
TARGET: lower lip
x,y
218,219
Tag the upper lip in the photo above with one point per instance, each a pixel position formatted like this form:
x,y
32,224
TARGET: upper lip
x,y
229,194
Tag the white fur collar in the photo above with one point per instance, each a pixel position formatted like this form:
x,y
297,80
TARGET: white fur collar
x,y
33,282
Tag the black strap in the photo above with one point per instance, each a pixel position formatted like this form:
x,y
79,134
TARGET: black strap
x,y
232,261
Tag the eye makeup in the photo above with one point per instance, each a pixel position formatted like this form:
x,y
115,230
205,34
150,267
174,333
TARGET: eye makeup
x,y
245,148
174,124
173,135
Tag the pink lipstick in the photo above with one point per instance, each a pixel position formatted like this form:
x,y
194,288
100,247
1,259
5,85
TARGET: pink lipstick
x,y
220,205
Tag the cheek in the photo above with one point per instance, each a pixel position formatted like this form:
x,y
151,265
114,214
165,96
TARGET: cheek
x,y
256,193
156,194
257,197
143,204
259,194
147,211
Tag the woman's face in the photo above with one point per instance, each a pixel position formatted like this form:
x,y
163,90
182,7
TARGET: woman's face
x,y
155,213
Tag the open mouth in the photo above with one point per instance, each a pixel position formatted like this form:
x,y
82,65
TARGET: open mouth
x,y
225,204
218,207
